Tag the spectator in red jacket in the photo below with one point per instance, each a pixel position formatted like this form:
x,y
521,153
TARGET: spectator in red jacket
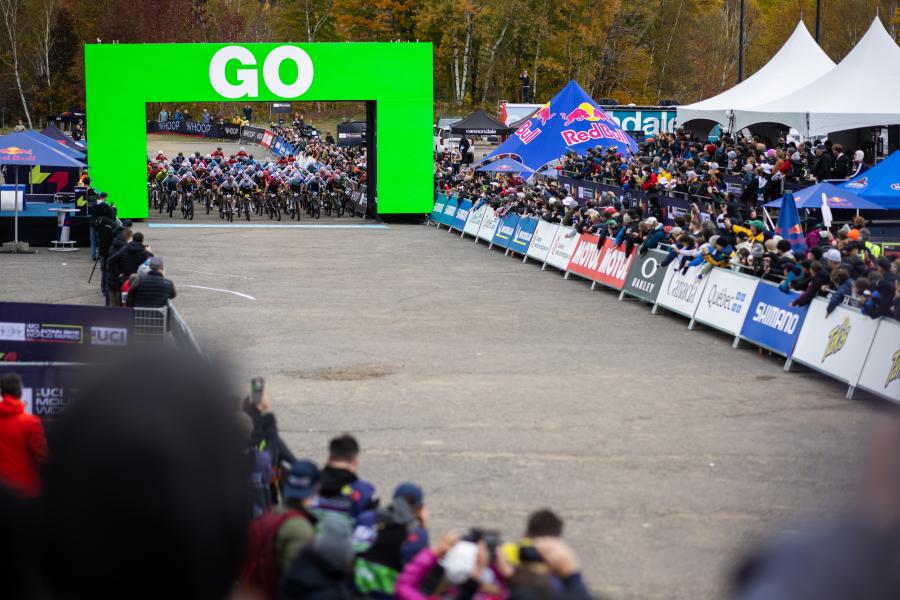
x,y
23,447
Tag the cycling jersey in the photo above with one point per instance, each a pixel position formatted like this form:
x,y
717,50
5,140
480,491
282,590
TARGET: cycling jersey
x,y
170,182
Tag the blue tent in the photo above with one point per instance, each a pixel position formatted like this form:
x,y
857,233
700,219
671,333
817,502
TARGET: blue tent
x,y
22,150
51,143
506,165
811,198
570,121
880,184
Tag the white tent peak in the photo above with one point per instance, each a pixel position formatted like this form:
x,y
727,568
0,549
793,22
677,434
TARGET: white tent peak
x,y
861,91
799,62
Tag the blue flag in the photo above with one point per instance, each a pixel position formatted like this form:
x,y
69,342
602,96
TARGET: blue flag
x,y
570,121
788,225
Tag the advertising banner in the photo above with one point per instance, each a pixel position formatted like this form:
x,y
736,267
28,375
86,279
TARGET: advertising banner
x,y
449,210
268,139
646,276
231,131
835,345
525,229
62,332
771,321
562,247
437,213
462,215
47,389
210,130
489,224
505,231
473,224
881,372
542,240
680,293
607,265
251,134
725,301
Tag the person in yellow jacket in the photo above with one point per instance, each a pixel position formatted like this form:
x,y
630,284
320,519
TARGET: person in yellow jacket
x,y
755,230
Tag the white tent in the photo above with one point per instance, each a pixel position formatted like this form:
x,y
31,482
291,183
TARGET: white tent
x,y
862,91
799,62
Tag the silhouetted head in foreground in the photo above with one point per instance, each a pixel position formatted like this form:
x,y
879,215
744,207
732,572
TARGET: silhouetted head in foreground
x,y
146,493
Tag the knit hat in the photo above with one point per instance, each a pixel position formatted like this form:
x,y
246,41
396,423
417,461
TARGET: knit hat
x,y
334,542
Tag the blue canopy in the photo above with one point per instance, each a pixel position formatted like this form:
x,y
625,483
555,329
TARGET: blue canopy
x,y
506,165
570,121
880,184
51,143
23,150
811,198
52,131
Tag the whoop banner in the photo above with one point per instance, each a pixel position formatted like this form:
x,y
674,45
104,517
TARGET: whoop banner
x,y
836,345
252,135
881,373
645,276
771,321
725,300
182,127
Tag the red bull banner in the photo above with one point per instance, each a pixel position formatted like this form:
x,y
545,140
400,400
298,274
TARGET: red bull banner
x,y
606,264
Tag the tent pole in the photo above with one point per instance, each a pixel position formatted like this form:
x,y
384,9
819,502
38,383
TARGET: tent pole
x,y
16,206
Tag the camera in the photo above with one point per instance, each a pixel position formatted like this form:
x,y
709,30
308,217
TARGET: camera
x,y
490,537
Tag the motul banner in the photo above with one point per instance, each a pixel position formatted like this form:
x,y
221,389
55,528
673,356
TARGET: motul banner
x,y
645,276
725,301
837,344
542,240
881,373
607,265
562,247
489,224
473,223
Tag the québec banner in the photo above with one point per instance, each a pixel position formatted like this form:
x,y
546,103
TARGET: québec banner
x,y
542,240
726,299
209,130
771,321
31,332
473,224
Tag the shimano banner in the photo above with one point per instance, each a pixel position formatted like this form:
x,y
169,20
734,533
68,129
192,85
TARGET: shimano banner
x,y
645,276
437,213
836,344
771,321
62,332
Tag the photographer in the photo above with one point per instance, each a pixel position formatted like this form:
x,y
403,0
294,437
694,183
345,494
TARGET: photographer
x,y
104,222
265,429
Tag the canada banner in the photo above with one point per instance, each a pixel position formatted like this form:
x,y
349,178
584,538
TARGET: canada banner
x,y
607,265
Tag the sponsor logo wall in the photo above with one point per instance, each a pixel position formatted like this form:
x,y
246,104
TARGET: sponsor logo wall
x,y
646,276
209,130
541,240
836,345
252,135
725,300
847,346
772,322
61,332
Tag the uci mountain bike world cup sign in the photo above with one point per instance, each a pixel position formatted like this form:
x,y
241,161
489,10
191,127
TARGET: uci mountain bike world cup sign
x,y
120,79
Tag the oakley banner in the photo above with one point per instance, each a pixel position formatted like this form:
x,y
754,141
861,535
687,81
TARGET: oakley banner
x,y
646,276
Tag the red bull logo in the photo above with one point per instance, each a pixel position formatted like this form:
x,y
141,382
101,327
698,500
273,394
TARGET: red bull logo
x,y
838,201
584,112
544,114
597,131
14,150
860,184
526,133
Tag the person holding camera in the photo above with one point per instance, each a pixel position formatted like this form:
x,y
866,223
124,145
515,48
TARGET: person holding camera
x,y
265,430
104,222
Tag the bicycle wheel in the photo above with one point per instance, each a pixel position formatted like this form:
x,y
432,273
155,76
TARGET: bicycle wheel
x,y
338,208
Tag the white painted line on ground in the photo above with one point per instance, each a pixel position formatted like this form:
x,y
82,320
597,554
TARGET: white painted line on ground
x,y
203,287
262,226
216,274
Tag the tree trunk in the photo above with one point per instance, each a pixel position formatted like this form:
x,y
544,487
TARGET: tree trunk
x,y
456,95
10,10
665,60
466,56
493,57
537,53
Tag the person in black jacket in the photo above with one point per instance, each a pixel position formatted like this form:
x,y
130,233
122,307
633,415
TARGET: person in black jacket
x,y
265,429
113,285
104,222
822,168
841,168
321,571
153,290
126,262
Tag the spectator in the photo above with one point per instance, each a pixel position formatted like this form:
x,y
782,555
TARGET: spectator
x,y
125,262
265,428
105,222
114,279
342,491
163,115
248,113
321,569
204,116
23,447
20,126
152,290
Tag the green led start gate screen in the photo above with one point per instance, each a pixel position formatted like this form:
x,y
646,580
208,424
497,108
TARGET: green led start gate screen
x,y
120,79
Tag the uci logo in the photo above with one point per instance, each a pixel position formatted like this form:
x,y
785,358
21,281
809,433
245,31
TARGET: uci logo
x,y
109,336
248,78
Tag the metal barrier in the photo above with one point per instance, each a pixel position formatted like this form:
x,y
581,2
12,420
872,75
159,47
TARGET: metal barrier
x,y
151,325
182,333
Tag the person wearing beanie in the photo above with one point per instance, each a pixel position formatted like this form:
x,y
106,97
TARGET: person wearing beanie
x,y
859,164
321,570
153,290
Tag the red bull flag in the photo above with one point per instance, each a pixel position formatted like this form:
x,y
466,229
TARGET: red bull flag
x,y
788,225
570,121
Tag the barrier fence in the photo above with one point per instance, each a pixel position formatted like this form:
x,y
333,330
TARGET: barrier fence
x,y
848,346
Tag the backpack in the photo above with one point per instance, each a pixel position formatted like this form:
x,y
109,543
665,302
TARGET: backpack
x,y
259,570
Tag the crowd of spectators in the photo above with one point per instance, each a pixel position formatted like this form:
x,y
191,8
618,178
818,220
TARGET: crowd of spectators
x,y
840,261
